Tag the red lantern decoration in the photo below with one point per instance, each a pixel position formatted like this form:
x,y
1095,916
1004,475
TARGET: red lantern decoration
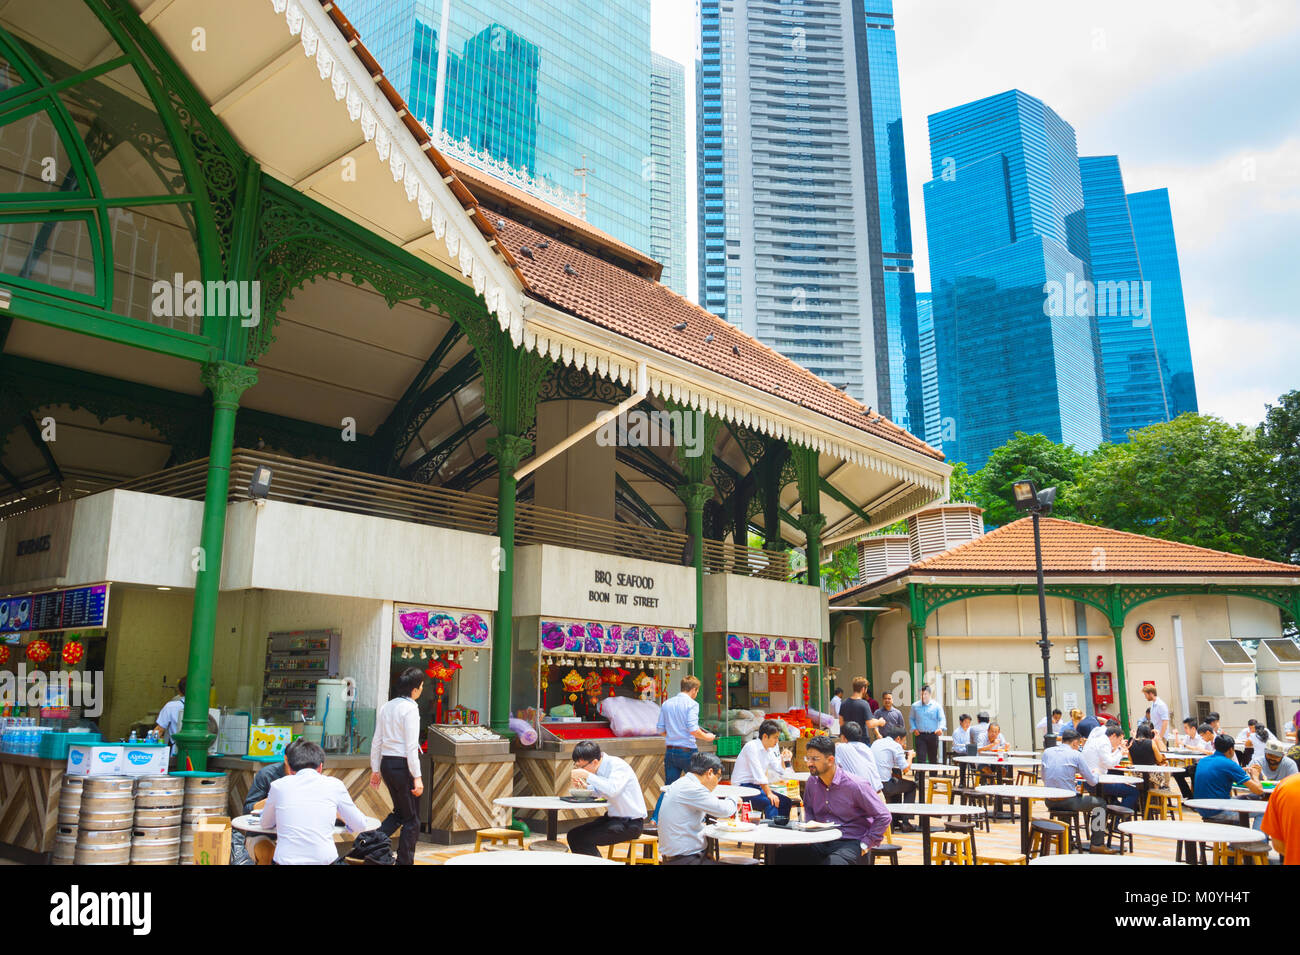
x,y
718,689
73,652
38,651
441,672
4,655
805,690
613,676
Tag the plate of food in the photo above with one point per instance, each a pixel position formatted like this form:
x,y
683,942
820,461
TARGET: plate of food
x,y
728,825
581,795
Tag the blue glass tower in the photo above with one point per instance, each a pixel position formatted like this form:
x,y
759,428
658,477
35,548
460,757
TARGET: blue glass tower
x,y
932,430
1153,228
1016,349
548,87
804,227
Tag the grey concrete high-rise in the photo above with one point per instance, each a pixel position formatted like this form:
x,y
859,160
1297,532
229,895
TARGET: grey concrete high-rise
x,y
804,226
667,172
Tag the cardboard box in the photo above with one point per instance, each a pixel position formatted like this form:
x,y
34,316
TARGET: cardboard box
x,y
145,759
95,759
212,840
268,740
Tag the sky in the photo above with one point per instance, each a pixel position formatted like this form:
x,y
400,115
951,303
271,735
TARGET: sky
x,y
1197,96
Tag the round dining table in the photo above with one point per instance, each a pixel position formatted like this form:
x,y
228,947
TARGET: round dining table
x,y
551,805
1087,858
1192,834
1244,808
772,838
1025,794
920,769
515,857
728,791
924,811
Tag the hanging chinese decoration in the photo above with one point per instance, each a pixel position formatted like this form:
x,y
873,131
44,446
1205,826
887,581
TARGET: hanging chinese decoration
x,y
4,655
441,672
572,684
38,651
805,689
592,685
546,682
644,685
718,688
73,652
612,677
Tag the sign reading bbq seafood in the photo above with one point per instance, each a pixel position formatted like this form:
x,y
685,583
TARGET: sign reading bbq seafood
x,y
745,649
437,626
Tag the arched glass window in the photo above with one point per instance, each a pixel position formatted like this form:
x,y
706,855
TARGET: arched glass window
x,y
94,204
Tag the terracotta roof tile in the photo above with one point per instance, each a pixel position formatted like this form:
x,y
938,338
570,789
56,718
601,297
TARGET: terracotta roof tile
x,y
1074,548
646,312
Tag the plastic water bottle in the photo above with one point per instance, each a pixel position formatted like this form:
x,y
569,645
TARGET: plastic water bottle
x,y
134,738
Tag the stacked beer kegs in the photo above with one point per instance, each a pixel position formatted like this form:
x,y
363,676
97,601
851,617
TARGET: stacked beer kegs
x,y
65,836
104,822
205,795
156,836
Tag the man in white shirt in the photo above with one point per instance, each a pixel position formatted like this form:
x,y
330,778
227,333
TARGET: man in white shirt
x,y
759,764
302,807
171,715
892,762
837,700
684,808
1103,753
614,779
855,757
1190,738
993,741
1251,737
1056,725
1159,712
395,758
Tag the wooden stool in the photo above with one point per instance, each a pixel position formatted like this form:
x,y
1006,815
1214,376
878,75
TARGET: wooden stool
x,y
959,843
884,850
497,837
547,845
939,784
1114,816
1165,805
643,850
1228,854
1042,833
963,827
1026,777
1071,818
972,797
999,858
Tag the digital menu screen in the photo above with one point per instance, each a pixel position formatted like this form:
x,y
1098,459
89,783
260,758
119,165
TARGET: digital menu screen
x,y
74,608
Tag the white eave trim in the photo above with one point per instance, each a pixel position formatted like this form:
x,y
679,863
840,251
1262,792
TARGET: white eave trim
x,y
890,586
352,84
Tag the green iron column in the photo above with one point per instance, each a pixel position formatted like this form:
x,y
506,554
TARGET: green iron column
x,y
509,450
868,645
694,496
227,382
1116,616
812,522
915,641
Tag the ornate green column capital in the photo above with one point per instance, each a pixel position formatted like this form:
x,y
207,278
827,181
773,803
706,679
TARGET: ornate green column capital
x,y
694,496
227,381
509,450
812,525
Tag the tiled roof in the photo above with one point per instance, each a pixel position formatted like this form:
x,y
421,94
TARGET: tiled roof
x,y
646,312
1074,548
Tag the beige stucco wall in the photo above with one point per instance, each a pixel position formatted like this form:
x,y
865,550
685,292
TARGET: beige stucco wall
x,y
750,605
580,480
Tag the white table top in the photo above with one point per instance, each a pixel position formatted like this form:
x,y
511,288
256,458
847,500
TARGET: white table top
x,y
1118,780
1150,769
1256,807
514,857
725,791
1027,753
934,767
1026,792
1083,858
552,803
802,777
248,823
1176,754
1191,831
994,761
932,809
774,835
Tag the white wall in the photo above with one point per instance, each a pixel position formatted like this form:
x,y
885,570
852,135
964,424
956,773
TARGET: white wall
x,y
751,605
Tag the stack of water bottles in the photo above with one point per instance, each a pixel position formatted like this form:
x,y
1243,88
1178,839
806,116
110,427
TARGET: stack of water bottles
x,y
20,736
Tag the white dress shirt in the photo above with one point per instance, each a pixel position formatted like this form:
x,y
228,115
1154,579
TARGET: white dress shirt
x,y
1159,715
301,808
1099,755
397,733
757,765
856,759
169,718
615,780
1249,737
681,815
889,756
836,703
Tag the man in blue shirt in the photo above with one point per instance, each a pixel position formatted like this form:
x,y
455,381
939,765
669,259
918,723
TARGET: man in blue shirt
x,y
1060,764
961,735
679,722
1216,775
928,724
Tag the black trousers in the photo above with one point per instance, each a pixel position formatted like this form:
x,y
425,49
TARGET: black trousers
x,y
899,790
406,815
698,858
1094,806
927,747
839,852
605,831
1186,780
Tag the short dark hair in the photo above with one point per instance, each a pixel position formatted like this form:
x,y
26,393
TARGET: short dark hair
x,y
822,744
180,686
1211,717
1223,743
1263,734
851,731
894,731
408,680
1056,712
702,763
1205,728
838,691
1068,735
1112,722
983,717
586,751
963,718
925,686
1188,721
769,728
1252,722
306,755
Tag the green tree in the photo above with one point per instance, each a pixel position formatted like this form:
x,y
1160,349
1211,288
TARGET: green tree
x,y
1196,479
1279,441
1033,456
841,570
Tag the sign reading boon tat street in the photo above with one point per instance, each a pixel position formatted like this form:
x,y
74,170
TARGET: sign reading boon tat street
x,y
434,626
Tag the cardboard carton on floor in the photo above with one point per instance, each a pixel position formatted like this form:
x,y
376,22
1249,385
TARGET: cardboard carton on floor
x,y
212,840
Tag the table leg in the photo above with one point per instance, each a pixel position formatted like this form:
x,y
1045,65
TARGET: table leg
x,y
925,839
1024,828
553,825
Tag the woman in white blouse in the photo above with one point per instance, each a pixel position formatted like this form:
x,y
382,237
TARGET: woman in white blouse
x,y
395,758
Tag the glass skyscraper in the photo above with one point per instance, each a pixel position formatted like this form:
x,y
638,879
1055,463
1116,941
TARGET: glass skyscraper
x,y
667,175
804,226
549,87
932,430
1014,347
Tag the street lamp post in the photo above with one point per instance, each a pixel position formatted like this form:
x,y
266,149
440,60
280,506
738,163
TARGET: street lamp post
x,y
1037,503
